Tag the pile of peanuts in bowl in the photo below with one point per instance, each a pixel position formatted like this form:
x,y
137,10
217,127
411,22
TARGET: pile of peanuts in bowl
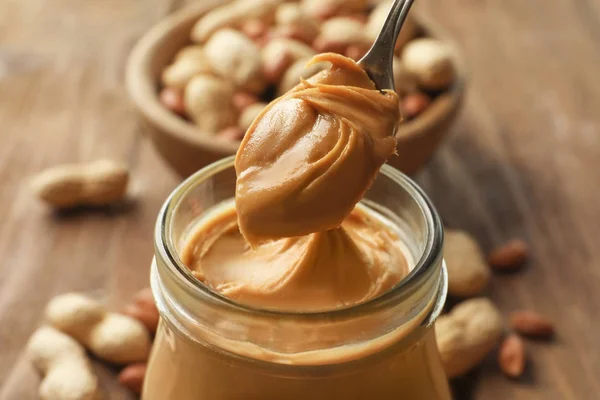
x,y
244,54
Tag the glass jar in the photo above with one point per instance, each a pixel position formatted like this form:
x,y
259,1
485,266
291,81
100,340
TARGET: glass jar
x,y
209,347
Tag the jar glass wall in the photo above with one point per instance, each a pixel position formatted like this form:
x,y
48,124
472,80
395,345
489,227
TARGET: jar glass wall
x,y
209,347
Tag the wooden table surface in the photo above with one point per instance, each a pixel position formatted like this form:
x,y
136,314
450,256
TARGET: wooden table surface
x,y
523,160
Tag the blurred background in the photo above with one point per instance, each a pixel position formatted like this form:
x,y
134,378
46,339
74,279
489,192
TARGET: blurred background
x,y
507,146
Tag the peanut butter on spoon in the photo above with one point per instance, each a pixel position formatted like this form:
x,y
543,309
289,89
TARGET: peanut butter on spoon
x,y
310,156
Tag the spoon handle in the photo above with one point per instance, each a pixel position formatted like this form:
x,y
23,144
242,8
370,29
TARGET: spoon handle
x,y
378,62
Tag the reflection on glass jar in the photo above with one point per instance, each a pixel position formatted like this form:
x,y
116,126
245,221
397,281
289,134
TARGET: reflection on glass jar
x,y
208,347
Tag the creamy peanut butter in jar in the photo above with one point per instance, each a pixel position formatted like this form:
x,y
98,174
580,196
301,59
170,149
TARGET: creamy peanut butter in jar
x,y
209,346
304,268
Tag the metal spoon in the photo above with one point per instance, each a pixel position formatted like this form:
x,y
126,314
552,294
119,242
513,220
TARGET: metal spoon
x,y
378,62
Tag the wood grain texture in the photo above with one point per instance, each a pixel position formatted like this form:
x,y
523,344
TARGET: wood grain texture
x,y
522,161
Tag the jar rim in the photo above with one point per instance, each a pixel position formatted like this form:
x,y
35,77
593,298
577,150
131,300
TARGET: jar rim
x,y
423,269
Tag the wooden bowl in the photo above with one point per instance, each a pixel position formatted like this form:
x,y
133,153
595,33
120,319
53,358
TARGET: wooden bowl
x,y
187,148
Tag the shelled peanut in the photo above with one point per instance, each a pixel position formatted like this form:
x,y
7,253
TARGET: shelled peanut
x,y
511,256
143,308
512,356
132,377
261,47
